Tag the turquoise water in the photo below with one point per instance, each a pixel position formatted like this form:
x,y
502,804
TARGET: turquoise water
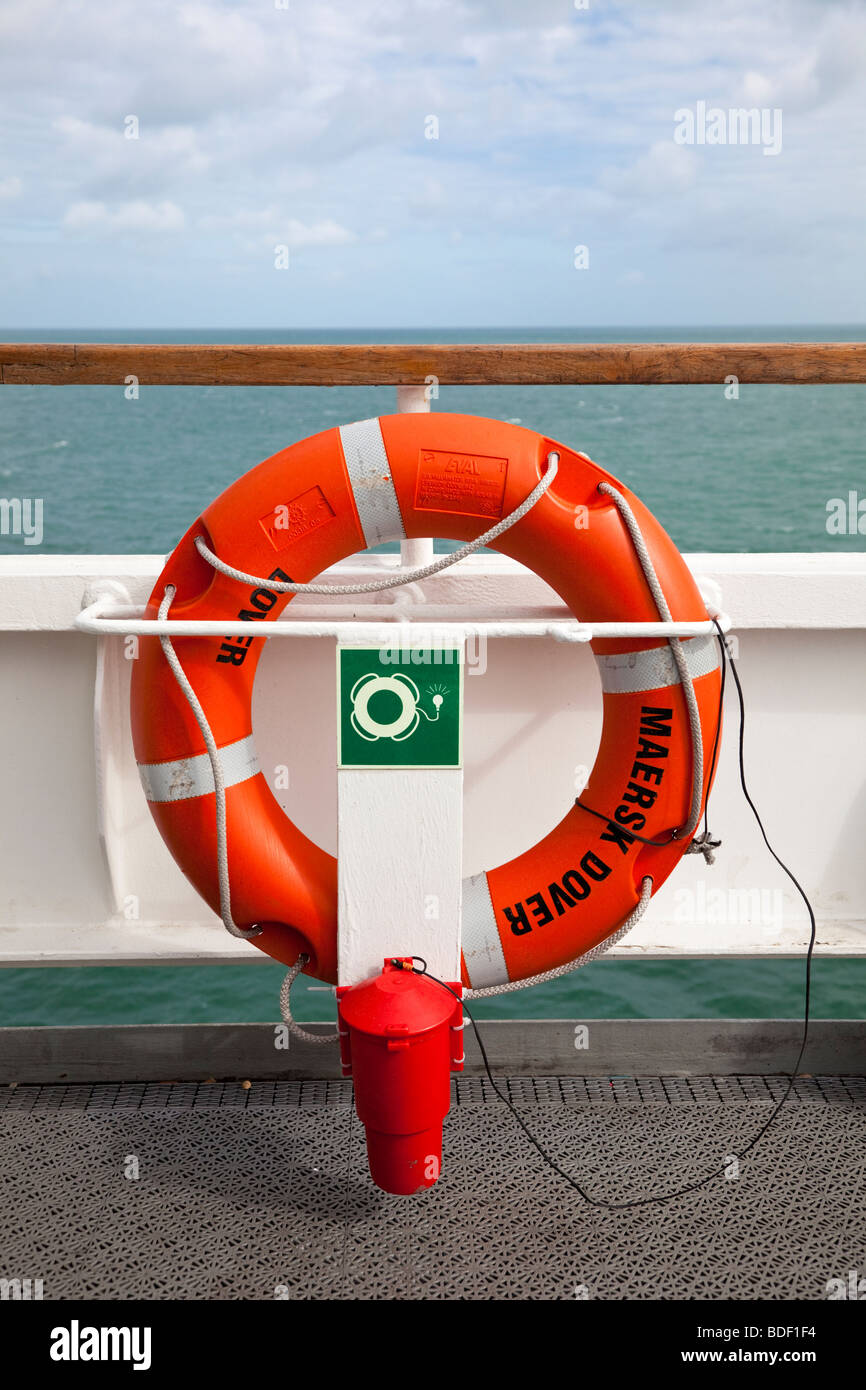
x,y
752,474
605,989
120,476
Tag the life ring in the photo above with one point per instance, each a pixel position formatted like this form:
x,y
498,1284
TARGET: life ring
x,y
339,492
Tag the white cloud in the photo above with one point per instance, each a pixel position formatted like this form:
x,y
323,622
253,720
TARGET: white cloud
x,y
796,89
326,233
833,62
305,126
272,227
137,216
665,169
10,187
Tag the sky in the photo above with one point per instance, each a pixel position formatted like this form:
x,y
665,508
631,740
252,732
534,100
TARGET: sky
x,y
282,172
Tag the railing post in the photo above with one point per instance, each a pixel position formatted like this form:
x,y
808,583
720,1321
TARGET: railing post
x,y
399,817
414,400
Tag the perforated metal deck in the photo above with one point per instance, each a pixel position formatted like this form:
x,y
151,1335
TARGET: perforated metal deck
x,y
264,1192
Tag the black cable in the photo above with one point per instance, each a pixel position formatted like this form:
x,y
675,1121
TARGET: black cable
x,y
718,1172
784,867
632,834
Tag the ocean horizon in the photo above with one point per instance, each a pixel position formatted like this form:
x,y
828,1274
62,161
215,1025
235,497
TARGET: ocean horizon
x,y
126,476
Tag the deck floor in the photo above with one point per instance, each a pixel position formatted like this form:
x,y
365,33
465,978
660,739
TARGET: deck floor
x,y
264,1192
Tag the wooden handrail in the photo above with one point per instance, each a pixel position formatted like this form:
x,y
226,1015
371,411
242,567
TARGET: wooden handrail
x,y
354,364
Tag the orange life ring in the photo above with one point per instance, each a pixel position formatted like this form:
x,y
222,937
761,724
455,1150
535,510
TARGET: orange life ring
x,y
339,492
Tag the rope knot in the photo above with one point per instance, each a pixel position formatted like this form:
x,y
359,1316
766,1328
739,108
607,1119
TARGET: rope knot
x,y
704,844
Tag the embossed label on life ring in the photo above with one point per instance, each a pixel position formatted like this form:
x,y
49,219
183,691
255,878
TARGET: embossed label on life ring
x,y
470,483
291,520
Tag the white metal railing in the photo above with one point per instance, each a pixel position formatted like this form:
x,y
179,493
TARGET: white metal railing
x,y
87,880
105,617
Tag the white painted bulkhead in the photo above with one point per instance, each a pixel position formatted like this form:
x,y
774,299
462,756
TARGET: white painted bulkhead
x,y
87,879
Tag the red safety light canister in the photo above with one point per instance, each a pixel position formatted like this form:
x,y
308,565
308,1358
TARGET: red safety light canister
x,y
401,1035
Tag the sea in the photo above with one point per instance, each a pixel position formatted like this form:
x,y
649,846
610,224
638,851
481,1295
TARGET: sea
x,y
725,467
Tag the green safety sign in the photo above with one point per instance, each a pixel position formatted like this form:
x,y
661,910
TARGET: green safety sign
x,y
399,706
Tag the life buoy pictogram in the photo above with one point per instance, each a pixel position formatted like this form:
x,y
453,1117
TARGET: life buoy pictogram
x,y
342,491
397,729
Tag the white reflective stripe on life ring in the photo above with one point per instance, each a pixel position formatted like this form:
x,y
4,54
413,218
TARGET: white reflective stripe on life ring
x,y
372,484
188,777
482,947
628,672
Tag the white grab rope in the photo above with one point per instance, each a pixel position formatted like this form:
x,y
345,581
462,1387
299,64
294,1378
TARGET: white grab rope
x,y
213,752
646,889
676,647
409,576
286,1008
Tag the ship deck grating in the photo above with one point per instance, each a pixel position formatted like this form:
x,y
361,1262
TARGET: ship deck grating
x,y
122,1191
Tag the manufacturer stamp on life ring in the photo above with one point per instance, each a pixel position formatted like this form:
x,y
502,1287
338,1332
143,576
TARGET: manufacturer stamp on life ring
x,y
290,521
470,483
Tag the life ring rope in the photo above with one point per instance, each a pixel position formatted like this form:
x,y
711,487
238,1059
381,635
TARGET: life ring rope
x,y
488,991
409,576
219,781
676,646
